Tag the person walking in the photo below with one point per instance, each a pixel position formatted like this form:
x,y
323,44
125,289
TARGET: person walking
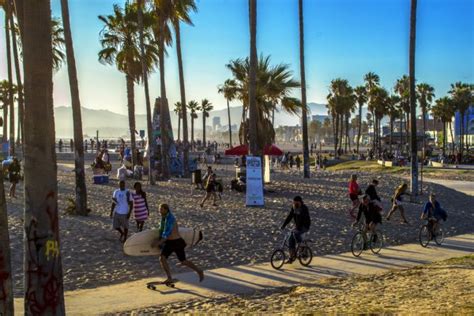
x,y
210,190
397,202
122,204
140,206
14,170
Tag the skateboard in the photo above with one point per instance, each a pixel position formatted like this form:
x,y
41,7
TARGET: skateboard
x,y
153,285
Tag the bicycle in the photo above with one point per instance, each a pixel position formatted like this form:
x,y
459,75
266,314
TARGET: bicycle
x,y
427,233
363,239
303,252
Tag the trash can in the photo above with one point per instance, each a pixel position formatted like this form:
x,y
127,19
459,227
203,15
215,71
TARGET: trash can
x,y
196,177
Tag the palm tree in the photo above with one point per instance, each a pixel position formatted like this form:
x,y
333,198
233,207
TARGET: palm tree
x,y
372,81
193,107
81,191
274,86
402,88
229,89
414,155
181,14
205,107
7,9
361,97
178,110
149,125
393,113
444,110
462,95
57,33
121,47
304,116
255,148
425,95
42,242
5,96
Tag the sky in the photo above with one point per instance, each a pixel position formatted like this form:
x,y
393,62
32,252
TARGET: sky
x,y
343,38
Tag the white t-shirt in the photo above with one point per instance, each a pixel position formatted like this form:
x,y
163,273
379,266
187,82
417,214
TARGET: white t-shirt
x,y
121,201
122,173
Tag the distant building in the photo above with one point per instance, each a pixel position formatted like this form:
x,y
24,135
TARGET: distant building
x,y
216,123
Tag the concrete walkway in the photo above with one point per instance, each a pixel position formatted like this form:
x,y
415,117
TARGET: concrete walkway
x,y
466,187
248,278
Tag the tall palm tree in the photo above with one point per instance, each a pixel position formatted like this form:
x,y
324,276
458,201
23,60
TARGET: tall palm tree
x,y
372,80
254,147
57,33
5,95
444,110
178,110
205,107
120,46
361,97
193,107
304,115
81,191
149,125
42,243
8,13
462,95
425,95
393,113
163,11
411,59
402,88
229,89
181,14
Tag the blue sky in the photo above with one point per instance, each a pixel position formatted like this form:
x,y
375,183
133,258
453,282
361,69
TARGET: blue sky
x,y
344,38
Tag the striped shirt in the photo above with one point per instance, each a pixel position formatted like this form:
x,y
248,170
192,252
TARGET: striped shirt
x,y
139,207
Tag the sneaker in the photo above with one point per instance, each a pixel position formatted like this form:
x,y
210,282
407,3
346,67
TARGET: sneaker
x,y
290,260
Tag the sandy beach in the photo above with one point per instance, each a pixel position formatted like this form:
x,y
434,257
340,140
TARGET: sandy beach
x,y
92,255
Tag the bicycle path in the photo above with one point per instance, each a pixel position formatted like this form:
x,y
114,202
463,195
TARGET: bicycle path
x,y
246,279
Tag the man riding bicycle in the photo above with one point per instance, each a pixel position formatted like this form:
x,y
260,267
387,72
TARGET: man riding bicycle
x,y
371,213
433,212
371,191
300,214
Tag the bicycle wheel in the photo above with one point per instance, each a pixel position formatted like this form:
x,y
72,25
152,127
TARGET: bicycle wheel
x,y
376,242
439,235
424,236
357,244
278,259
305,255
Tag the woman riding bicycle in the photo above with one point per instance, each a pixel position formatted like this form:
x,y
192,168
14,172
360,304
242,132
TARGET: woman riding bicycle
x,y
300,214
354,192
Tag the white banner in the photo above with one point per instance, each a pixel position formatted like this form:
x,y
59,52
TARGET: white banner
x,y
254,196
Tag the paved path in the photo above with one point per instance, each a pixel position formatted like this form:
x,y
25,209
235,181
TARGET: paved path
x,y
466,187
248,278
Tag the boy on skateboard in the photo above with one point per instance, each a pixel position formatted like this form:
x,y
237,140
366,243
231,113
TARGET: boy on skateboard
x,y
170,241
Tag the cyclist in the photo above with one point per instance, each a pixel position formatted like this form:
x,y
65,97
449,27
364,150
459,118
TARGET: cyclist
x,y
299,213
372,193
354,192
433,212
371,213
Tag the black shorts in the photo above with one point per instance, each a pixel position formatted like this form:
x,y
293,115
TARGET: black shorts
x,y
177,246
374,217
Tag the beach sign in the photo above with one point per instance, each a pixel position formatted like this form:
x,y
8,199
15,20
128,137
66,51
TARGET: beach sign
x,y
254,194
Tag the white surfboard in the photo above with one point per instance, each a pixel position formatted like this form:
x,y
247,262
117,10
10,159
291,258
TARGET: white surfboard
x,y
139,244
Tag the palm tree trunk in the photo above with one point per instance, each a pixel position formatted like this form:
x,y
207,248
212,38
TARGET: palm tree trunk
x,y
444,138
336,133
304,115
359,127
391,135
10,79
401,133
192,128
43,277
204,128
5,120
254,146
6,301
149,118
164,113
131,118
452,136
341,135
18,83
414,154
230,124
81,192
183,100
179,126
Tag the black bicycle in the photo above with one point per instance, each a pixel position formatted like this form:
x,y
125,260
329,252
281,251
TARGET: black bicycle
x,y
364,239
304,254
428,233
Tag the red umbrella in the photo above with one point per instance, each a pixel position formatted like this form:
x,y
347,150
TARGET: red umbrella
x,y
270,150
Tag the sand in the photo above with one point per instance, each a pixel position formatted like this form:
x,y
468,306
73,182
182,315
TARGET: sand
x,y
92,254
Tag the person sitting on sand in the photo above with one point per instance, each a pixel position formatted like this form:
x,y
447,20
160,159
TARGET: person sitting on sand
x,y
211,186
121,210
354,192
371,213
140,206
170,241
299,213
397,202
433,212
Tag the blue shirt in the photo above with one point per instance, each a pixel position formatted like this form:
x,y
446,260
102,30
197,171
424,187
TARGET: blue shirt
x,y
430,210
166,226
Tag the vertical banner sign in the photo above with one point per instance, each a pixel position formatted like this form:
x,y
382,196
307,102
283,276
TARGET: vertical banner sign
x,y
266,173
254,196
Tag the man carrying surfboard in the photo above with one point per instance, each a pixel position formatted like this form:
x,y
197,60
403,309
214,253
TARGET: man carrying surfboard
x,y
121,210
170,241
